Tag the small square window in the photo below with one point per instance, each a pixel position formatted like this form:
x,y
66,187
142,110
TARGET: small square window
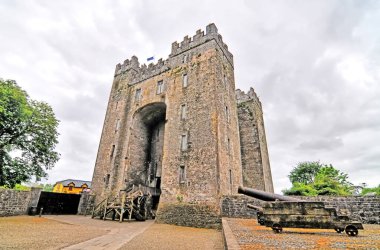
x,y
184,80
160,87
138,95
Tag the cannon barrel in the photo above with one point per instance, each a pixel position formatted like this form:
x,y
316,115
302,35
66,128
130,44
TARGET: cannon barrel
x,y
265,196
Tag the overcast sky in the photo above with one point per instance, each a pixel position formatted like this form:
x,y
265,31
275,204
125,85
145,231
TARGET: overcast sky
x,y
314,64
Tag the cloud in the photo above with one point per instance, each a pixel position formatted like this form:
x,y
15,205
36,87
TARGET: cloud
x,y
314,64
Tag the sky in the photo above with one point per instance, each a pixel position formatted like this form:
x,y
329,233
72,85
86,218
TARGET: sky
x,y
314,64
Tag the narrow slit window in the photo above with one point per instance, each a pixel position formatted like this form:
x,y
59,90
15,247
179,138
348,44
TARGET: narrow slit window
x,y
230,171
228,145
184,142
184,60
107,179
183,111
185,81
112,151
117,125
138,95
182,174
227,114
160,87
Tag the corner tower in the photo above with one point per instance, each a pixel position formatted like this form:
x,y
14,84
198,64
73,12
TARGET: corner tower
x,y
254,151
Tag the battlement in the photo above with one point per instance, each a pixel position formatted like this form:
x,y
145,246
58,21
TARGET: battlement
x,y
199,38
144,72
241,96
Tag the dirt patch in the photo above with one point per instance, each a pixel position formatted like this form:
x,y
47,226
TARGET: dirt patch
x,y
163,236
250,235
27,232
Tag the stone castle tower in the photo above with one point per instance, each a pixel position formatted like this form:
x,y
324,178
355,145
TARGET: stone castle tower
x,y
179,128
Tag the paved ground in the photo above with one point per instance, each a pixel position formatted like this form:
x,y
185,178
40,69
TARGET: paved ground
x,y
118,233
250,235
79,232
27,232
169,237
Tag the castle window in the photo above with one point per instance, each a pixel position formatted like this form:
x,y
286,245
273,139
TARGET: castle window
x,y
182,174
184,60
107,180
227,114
230,171
225,81
228,145
183,111
138,95
112,151
184,142
160,87
184,81
117,125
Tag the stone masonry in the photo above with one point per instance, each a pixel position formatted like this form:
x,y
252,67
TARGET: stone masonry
x,y
179,128
362,208
14,202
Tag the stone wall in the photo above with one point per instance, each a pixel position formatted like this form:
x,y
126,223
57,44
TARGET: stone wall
x,y
86,204
14,202
190,215
363,208
235,206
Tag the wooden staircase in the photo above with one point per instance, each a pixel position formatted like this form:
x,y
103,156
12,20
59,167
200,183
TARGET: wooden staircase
x,y
131,204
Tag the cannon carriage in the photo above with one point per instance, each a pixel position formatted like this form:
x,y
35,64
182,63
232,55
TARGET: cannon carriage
x,y
280,211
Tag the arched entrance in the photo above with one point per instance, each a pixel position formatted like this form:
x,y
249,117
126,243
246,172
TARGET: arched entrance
x,y
146,149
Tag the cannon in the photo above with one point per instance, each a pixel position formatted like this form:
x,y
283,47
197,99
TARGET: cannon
x,y
279,211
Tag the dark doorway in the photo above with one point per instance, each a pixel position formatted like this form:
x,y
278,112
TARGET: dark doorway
x,y
58,203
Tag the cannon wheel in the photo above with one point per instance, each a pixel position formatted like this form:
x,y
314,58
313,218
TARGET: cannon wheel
x,y
277,228
339,230
261,221
351,230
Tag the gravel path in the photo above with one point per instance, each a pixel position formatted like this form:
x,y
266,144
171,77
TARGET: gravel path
x,y
28,232
169,237
250,235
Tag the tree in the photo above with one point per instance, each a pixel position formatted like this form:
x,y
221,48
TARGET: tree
x,y
313,178
305,172
375,190
28,136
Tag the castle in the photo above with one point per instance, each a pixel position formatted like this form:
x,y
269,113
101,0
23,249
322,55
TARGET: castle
x,y
181,129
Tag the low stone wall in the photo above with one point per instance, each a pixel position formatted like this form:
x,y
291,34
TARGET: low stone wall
x,y
190,215
86,204
363,208
235,206
14,202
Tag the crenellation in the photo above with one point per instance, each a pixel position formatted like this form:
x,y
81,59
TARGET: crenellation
x,y
142,72
211,29
241,96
